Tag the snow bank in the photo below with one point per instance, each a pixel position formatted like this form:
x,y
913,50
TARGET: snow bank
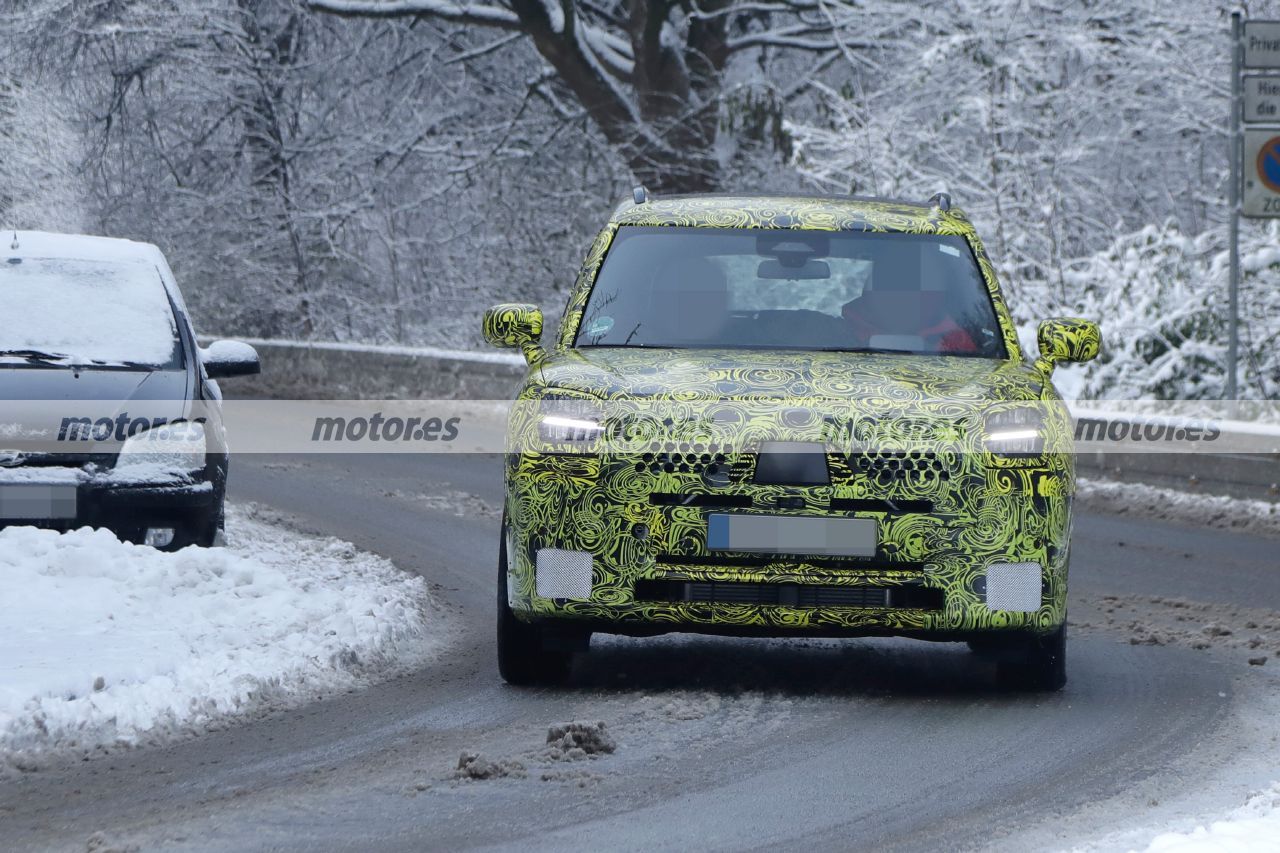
x,y
104,643
1252,828
1244,515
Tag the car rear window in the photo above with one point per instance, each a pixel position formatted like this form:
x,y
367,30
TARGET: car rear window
x,y
87,312
807,290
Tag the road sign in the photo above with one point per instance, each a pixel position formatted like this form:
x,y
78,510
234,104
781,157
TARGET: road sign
x,y
1262,98
1261,44
1261,172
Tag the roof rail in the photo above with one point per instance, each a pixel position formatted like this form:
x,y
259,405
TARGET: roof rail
x,y
941,201
639,195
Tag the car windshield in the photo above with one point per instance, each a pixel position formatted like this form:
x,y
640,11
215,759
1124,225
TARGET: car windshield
x,y
807,290
80,312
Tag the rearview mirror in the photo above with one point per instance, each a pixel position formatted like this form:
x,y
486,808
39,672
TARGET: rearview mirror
x,y
1067,339
225,359
806,271
515,326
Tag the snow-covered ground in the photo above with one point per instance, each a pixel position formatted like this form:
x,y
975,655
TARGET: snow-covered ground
x,y
104,643
1230,631
1253,828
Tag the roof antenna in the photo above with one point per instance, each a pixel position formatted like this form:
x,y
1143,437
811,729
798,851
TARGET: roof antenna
x,y
640,195
941,201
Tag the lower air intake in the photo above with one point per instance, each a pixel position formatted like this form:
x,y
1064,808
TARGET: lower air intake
x,y
789,594
563,574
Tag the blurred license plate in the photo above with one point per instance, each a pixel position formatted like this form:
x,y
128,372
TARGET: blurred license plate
x,y
778,534
31,502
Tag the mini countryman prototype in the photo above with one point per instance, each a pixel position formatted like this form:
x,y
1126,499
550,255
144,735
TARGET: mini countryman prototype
x,y
772,416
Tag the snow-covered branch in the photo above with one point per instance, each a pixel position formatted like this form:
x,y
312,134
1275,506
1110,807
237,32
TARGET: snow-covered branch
x,y
461,13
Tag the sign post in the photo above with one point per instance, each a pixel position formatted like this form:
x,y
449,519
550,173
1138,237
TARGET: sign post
x,y
1233,286
1255,153
1256,103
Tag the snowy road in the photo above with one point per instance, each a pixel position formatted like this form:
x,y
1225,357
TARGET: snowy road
x,y
721,743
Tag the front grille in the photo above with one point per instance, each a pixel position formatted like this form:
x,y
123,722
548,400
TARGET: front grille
x,y
684,458
880,505
64,460
789,594
703,500
714,501
756,561
890,466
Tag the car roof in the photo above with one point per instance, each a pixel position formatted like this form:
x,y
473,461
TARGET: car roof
x,y
819,212
80,247
86,247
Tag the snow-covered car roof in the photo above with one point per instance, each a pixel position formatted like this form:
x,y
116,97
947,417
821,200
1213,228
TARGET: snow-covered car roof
x,y
81,247
87,247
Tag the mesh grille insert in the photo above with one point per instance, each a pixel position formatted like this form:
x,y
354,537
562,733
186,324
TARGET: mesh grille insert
x,y
1013,587
563,574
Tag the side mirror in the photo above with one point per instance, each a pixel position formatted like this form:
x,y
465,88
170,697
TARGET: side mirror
x,y
515,326
1067,339
224,359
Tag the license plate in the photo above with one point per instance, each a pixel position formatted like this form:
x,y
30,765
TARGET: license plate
x,y
32,502
780,534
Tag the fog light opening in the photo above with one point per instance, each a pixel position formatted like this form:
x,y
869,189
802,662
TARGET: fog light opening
x,y
159,537
1014,587
563,574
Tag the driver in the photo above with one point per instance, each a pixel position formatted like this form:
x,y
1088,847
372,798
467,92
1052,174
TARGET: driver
x,y
900,310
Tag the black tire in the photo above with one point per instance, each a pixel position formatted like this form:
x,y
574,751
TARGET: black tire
x,y
524,659
1036,663
210,532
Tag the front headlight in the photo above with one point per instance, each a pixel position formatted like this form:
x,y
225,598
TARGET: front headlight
x,y
1017,433
569,420
179,446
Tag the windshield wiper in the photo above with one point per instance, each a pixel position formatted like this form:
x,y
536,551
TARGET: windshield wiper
x,y
63,358
34,354
876,350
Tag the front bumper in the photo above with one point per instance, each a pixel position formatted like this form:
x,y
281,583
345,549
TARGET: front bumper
x,y
128,508
651,570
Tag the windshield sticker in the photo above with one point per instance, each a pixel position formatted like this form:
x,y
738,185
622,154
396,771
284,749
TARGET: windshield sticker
x,y
599,326
950,250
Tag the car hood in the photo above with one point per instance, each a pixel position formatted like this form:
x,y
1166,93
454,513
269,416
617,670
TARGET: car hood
x,y
102,385
687,375
39,402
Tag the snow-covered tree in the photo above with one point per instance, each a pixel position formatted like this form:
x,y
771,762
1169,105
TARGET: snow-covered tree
x,y
40,156
380,169
1070,132
649,73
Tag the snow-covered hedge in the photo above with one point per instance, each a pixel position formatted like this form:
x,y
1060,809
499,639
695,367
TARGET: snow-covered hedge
x,y
1161,298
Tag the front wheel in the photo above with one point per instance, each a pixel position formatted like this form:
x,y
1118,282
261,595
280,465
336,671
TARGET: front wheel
x,y
524,658
1036,662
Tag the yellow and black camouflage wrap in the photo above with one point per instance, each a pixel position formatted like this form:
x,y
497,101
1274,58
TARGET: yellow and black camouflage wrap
x,y
514,325
1067,339
903,436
